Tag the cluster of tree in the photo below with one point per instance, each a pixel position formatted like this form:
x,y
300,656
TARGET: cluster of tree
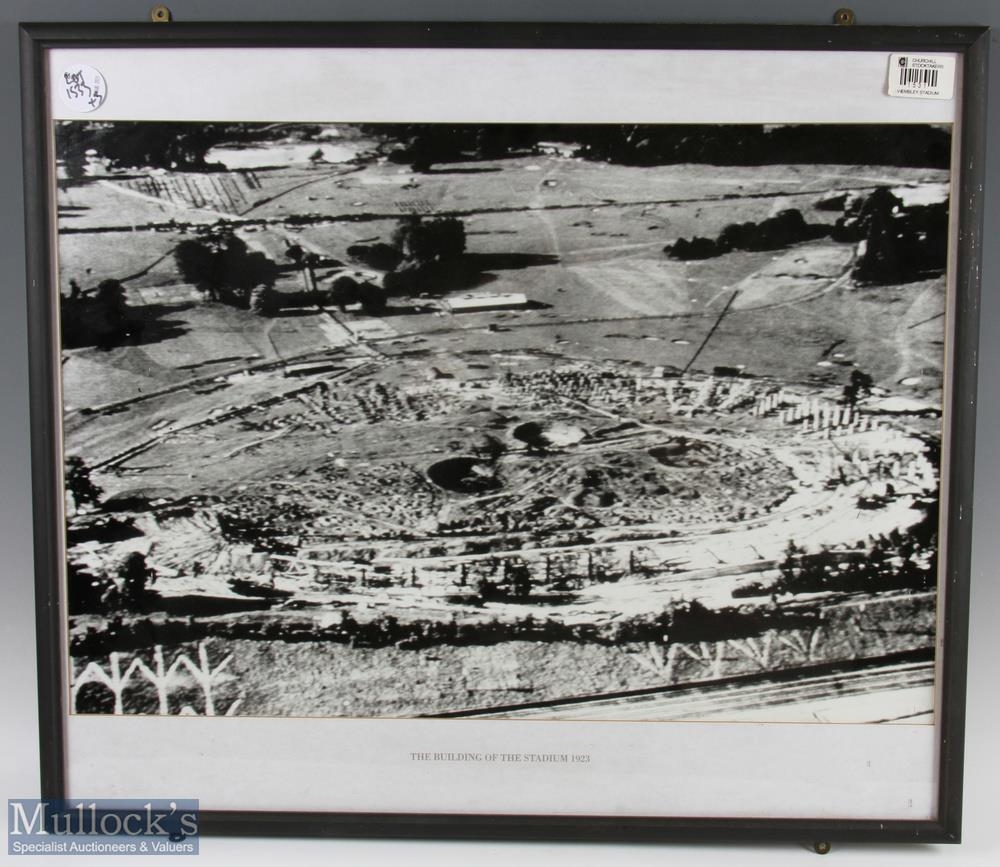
x,y
98,316
81,487
222,267
171,145
425,241
346,290
160,144
890,561
691,621
684,622
900,243
381,256
425,144
125,591
755,144
423,254
265,300
515,583
773,233
123,632
859,386
138,144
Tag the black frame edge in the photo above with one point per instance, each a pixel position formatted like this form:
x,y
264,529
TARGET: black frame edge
x,y
505,34
971,201
43,358
561,828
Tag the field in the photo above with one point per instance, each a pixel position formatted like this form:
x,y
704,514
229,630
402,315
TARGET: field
x,y
642,433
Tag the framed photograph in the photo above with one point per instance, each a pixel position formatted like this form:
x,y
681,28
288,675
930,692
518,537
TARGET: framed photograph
x,y
506,430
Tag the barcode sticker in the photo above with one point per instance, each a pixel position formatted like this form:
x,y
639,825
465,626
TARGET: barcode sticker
x,y
924,76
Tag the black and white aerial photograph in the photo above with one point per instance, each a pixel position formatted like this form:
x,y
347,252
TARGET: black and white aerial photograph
x,y
564,422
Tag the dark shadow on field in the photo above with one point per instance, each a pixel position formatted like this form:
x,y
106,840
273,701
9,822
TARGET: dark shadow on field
x,y
509,261
147,325
467,279
116,329
205,606
464,272
103,528
437,278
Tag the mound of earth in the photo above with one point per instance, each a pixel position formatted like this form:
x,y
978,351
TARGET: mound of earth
x,y
545,435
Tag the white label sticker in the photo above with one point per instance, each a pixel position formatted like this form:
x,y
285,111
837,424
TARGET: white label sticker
x,y
83,88
924,76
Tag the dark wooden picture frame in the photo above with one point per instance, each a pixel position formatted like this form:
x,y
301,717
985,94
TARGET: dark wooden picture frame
x,y
970,43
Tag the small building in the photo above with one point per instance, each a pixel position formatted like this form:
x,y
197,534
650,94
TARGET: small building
x,y
481,303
